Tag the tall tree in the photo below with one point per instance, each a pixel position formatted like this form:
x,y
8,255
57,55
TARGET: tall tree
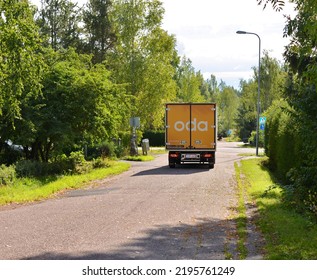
x,y
272,80
59,22
188,82
21,63
79,105
144,58
99,28
247,111
227,103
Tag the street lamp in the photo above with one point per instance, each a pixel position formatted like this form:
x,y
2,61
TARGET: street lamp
x,y
258,101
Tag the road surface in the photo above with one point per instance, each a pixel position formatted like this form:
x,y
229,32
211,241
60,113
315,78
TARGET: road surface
x,y
149,212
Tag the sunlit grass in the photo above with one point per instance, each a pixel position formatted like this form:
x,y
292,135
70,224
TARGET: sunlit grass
x,y
288,235
32,189
139,158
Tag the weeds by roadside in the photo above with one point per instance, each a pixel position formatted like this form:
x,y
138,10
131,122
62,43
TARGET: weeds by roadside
x,y
288,234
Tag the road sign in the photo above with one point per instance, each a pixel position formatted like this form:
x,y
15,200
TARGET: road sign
x,y
135,122
262,126
262,120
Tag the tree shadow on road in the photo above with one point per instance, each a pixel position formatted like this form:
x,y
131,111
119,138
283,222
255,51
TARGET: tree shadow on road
x,y
202,240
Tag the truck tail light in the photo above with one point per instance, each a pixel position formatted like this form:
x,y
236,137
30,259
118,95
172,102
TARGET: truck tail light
x,y
207,155
173,155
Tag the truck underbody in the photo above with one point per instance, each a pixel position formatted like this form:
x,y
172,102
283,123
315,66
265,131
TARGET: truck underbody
x,y
198,157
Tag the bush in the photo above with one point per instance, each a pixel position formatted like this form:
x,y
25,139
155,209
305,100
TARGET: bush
x,y
252,138
7,174
107,149
78,163
30,168
156,138
100,163
282,142
74,164
9,155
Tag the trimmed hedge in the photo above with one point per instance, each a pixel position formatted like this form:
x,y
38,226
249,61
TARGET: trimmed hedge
x,y
156,138
282,143
290,144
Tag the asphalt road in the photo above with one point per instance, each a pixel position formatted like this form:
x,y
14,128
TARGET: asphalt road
x,y
149,212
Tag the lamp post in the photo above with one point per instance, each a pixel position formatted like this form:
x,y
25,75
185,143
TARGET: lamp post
x,y
258,99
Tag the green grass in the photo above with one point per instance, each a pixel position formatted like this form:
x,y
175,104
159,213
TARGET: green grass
x,y
241,217
288,235
31,189
139,158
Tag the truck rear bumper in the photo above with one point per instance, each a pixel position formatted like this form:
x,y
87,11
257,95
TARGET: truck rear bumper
x,y
201,157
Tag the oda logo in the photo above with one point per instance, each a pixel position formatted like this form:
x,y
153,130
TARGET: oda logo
x,y
191,125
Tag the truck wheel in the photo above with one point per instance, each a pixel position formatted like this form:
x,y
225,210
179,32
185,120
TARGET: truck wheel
x,y
172,165
211,166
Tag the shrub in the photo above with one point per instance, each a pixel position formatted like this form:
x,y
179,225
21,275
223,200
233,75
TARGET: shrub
x,y
30,168
252,138
107,149
282,143
100,163
78,163
7,174
156,138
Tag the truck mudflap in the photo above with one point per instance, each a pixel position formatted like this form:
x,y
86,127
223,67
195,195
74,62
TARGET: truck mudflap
x,y
198,157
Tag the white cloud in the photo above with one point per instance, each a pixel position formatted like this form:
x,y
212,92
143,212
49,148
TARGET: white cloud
x,y
206,34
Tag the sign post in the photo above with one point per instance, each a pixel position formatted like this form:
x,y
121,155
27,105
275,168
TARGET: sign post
x,y
134,123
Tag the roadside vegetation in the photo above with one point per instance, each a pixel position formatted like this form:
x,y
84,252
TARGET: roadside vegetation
x,y
289,235
36,182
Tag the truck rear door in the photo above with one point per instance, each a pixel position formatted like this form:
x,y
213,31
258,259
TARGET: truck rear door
x,y
203,126
191,126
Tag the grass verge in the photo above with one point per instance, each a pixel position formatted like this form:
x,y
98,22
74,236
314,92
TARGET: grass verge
x,y
288,235
241,217
31,189
139,158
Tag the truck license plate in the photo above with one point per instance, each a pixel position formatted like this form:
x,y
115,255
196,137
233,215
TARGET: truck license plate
x,y
191,156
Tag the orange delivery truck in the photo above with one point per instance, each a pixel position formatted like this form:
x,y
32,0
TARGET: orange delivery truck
x,y
191,133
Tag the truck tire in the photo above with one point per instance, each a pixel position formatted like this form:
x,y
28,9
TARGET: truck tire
x,y
172,165
211,166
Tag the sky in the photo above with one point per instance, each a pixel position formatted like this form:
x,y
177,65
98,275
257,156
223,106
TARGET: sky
x,y
206,34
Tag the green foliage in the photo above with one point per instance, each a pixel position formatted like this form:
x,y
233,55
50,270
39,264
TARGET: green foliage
x,y
188,82
100,163
32,189
59,22
107,149
74,164
21,64
156,138
296,131
288,235
227,103
139,158
98,25
272,81
252,138
143,58
28,168
7,174
282,142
